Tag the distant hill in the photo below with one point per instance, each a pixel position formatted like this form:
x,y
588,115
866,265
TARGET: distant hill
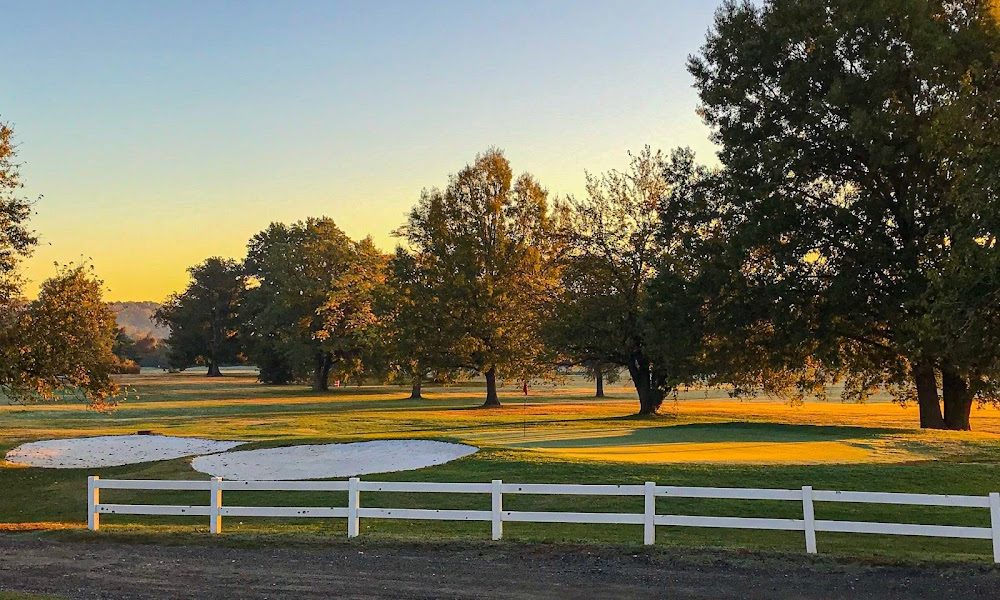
x,y
136,318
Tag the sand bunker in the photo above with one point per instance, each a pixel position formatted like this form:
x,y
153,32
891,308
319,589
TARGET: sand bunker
x,y
330,460
111,450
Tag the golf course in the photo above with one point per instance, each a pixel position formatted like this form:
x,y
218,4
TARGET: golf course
x,y
558,433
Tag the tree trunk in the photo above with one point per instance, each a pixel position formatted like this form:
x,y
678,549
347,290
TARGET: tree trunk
x,y
415,391
927,396
492,400
650,403
957,399
321,372
640,380
600,384
213,370
650,396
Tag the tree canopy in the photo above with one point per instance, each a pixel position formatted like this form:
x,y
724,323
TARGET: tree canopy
x,y
17,240
856,139
204,319
60,342
487,246
309,307
619,237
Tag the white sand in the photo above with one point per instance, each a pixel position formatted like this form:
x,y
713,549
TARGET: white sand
x,y
330,460
111,450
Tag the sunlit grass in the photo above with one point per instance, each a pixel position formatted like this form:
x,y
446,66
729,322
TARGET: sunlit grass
x,y
723,452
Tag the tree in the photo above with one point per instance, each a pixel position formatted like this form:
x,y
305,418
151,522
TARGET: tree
x,y
151,352
309,307
616,242
145,351
62,340
859,141
416,333
601,372
487,245
581,331
16,239
125,351
204,318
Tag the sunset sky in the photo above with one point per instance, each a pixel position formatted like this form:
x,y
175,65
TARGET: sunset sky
x,y
163,133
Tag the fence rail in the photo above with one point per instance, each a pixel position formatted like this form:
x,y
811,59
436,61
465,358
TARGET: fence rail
x,y
496,516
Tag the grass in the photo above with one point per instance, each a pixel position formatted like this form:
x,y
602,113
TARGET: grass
x,y
555,435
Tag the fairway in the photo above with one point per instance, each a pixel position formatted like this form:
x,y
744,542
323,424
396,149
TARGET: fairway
x,y
558,435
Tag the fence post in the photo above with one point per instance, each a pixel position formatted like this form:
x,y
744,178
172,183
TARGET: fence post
x,y
809,516
353,503
649,514
497,508
995,524
93,499
215,506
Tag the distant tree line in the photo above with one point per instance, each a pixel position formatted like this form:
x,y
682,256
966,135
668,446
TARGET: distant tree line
x,y
145,351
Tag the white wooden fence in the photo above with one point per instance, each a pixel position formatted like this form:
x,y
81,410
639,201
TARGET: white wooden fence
x,y
497,489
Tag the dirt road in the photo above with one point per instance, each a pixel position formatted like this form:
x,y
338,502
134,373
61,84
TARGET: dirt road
x,y
369,570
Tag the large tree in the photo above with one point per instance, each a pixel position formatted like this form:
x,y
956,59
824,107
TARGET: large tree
x,y
62,342
616,245
204,318
309,311
860,144
486,242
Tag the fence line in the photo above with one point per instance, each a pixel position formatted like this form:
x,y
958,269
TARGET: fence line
x,y
497,516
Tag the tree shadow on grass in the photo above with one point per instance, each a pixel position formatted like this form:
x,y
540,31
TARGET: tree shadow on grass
x,y
719,433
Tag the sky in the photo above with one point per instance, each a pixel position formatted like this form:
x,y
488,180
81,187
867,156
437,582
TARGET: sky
x,y
159,134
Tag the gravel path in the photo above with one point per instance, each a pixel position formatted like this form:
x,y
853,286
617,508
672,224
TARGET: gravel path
x,y
110,569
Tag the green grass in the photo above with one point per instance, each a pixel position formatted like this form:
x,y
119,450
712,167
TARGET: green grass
x,y
721,432
898,458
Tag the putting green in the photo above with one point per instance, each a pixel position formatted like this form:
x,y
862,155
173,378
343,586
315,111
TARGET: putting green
x,y
731,452
730,442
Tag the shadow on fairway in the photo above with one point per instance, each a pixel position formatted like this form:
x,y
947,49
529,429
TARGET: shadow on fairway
x,y
720,432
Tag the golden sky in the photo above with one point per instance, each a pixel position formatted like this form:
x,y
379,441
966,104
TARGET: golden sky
x,y
159,135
